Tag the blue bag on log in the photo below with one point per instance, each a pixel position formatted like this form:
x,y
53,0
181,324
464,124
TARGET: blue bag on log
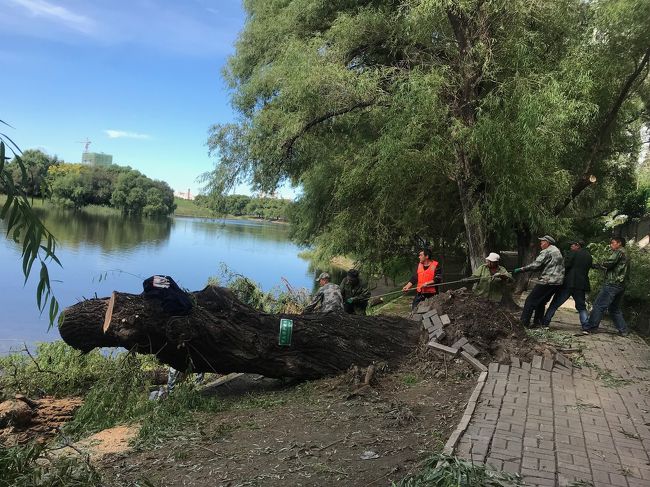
x,y
173,300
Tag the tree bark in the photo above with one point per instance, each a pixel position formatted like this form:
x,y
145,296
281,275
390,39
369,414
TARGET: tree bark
x,y
223,335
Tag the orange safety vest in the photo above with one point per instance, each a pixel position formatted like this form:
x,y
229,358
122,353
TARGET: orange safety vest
x,y
427,275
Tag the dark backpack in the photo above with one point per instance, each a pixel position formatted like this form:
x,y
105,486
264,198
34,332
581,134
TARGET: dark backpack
x,y
173,300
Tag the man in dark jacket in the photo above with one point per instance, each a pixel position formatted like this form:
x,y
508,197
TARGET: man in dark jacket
x,y
576,283
355,293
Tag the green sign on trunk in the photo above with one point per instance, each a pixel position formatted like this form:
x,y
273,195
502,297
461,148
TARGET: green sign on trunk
x,y
286,329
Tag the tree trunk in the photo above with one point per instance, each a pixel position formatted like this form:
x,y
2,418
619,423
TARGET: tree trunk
x,y
474,227
223,335
526,251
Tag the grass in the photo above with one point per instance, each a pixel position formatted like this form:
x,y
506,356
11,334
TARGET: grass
x,y
448,471
190,209
556,338
30,466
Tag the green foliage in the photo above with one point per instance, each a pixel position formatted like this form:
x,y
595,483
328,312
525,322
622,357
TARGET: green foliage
x,y
289,300
27,466
54,369
242,205
448,471
402,118
36,165
119,395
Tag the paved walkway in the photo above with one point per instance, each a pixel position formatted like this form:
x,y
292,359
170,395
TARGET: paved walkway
x,y
588,426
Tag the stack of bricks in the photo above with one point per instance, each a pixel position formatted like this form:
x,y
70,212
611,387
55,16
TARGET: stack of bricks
x,y
435,324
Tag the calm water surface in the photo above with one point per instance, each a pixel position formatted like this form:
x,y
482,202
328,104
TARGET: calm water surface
x,y
125,251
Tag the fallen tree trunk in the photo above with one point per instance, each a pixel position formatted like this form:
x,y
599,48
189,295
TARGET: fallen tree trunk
x,y
223,335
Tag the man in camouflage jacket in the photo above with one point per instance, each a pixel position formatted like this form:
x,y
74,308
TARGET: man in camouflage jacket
x,y
328,298
551,263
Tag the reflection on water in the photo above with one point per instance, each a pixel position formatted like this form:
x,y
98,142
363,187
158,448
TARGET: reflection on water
x,y
110,231
124,251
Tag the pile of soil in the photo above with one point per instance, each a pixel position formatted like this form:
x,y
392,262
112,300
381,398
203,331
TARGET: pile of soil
x,y
495,330
35,419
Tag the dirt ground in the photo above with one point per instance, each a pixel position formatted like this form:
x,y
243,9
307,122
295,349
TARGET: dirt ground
x,y
495,330
47,415
316,433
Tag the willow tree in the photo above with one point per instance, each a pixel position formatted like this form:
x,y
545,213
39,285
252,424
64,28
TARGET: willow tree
x,y
24,226
396,115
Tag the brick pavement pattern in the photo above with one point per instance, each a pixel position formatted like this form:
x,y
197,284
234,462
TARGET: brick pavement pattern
x,y
588,426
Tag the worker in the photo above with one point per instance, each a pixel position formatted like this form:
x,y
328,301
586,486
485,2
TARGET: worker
x,y
551,264
328,298
493,279
427,276
576,283
617,275
355,293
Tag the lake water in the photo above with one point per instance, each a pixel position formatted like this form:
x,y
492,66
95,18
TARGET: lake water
x,y
105,252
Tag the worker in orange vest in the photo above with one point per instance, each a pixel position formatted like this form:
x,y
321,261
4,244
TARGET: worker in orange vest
x,y
427,275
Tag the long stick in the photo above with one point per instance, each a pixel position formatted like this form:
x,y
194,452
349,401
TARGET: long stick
x,y
469,279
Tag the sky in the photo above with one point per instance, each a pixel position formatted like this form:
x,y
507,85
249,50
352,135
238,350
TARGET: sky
x,y
140,79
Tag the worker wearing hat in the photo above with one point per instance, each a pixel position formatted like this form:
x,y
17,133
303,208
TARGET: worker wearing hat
x,y
493,279
551,264
328,298
355,293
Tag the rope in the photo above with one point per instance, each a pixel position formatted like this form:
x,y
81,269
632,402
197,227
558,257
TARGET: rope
x,y
469,279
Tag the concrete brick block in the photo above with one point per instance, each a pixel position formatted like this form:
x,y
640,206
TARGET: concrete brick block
x,y
443,348
436,321
460,342
471,349
547,363
438,334
445,319
429,314
515,362
473,361
537,362
563,360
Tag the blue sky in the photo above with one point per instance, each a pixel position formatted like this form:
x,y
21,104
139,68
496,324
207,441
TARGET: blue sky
x,y
140,78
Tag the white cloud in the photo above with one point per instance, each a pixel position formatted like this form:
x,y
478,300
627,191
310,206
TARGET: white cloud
x,y
42,8
121,134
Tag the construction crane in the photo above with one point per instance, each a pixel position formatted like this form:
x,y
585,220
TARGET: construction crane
x,y
86,143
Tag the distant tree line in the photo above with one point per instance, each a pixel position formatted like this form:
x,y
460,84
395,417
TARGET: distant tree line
x,y
79,185
242,205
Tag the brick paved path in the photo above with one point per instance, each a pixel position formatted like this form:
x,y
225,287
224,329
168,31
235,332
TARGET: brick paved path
x,y
589,426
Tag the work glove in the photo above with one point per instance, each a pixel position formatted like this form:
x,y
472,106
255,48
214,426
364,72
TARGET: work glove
x,y
349,300
516,271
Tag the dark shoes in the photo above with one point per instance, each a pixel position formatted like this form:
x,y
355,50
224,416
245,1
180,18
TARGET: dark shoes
x,y
624,333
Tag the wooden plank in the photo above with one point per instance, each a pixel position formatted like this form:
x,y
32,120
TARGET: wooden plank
x,y
109,312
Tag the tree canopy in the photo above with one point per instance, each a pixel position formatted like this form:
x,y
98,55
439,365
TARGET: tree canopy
x,y
472,121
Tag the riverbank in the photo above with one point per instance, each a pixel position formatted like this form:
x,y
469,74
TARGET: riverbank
x,y
255,429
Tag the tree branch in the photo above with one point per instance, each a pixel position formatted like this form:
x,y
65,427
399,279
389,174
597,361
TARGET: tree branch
x,y
586,179
287,146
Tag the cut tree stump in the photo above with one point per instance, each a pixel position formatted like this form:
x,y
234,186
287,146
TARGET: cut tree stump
x,y
224,335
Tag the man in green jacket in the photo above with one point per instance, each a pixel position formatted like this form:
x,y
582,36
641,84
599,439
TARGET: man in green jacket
x,y
355,293
493,279
576,283
617,274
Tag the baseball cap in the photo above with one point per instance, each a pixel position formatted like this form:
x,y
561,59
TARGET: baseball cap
x,y
548,238
493,257
323,275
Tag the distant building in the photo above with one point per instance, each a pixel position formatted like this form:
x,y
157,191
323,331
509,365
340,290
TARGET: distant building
x,y
96,159
184,196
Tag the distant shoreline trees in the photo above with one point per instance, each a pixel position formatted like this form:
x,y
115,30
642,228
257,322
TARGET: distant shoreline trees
x,y
274,209
78,185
